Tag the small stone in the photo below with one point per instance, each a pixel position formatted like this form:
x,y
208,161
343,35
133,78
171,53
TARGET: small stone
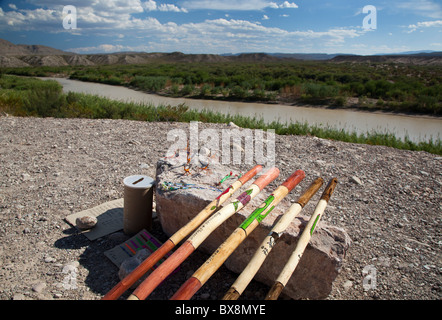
x,y
39,287
134,142
205,296
49,259
86,222
18,296
356,180
347,285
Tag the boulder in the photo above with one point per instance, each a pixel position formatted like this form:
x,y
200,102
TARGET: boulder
x,y
321,262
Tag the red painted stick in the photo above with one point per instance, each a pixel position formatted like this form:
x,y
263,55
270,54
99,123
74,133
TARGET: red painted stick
x,y
181,254
147,264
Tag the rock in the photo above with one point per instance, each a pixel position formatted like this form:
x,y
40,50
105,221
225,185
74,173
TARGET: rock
x,y
86,222
49,259
39,287
347,285
205,296
18,296
320,263
356,180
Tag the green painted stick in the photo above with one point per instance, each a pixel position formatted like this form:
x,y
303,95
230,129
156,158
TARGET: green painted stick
x,y
303,241
192,243
176,238
200,277
269,242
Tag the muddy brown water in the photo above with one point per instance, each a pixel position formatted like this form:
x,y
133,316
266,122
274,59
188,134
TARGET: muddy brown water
x,y
416,128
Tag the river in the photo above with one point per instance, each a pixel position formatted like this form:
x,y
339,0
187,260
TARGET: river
x,y
417,128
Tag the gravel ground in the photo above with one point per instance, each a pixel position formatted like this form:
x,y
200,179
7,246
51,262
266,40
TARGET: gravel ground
x,y
388,200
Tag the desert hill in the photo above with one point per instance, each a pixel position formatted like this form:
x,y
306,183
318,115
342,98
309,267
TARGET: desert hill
x,y
20,55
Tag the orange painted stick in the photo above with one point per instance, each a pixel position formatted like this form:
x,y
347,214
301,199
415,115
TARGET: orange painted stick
x,y
203,274
192,243
173,241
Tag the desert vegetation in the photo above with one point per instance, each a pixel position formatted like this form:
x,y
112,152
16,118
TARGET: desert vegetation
x,y
368,86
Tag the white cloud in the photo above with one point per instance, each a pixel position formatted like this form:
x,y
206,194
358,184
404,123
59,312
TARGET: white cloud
x,y
426,8
265,17
232,5
151,5
223,35
424,24
12,6
287,4
29,19
106,48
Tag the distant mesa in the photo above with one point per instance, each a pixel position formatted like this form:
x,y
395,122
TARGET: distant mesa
x,y
21,55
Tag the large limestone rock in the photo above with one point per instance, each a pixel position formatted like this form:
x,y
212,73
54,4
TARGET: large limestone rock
x,y
321,261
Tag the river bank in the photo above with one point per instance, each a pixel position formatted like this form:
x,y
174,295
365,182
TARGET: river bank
x,y
388,200
403,126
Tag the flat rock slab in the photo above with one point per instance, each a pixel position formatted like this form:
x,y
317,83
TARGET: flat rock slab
x,y
321,261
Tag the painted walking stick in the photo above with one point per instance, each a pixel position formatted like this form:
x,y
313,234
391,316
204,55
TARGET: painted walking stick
x,y
303,241
173,241
267,244
192,243
200,277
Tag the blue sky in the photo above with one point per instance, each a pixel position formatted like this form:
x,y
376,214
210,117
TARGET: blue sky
x,y
227,26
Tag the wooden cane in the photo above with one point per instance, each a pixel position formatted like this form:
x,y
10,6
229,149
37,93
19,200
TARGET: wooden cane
x,y
269,242
200,277
176,238
303,241
192,243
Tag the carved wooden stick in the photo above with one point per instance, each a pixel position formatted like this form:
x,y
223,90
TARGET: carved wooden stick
x,y
303,241
176,238
268,243
190,245
200,277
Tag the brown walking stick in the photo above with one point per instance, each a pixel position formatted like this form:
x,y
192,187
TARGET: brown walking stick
x,y
269,242
303,241
200,277
176,238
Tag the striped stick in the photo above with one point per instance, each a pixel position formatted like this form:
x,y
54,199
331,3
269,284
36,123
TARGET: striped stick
x,y
192,243
200,277
176,238
269,242
303,241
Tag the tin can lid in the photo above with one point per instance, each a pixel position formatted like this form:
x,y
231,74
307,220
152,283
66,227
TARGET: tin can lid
x,y
139,182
